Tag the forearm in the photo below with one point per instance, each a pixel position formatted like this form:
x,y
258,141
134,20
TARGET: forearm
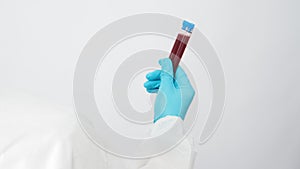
x,y
177,158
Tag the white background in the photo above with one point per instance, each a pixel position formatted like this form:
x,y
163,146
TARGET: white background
x,y
257,42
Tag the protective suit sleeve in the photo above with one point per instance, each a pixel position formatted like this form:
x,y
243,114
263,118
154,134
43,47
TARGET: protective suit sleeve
x,y
177,158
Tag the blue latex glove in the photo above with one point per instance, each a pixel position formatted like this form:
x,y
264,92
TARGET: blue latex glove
x,y
174,96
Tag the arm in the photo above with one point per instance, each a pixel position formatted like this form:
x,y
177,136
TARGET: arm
x,y
174,96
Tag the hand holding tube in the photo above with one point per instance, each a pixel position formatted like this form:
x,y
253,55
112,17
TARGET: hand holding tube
x,y
174,96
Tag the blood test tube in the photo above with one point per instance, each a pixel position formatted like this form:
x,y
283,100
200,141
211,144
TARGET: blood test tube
x,y
180,43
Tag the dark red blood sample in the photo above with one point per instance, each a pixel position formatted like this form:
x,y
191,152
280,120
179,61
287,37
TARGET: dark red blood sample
x,y
178,49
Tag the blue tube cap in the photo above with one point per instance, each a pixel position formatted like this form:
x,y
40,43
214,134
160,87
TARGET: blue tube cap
x,y
187,26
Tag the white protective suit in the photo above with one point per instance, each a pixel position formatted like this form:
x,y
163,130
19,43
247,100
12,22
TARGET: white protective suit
x,y
35,135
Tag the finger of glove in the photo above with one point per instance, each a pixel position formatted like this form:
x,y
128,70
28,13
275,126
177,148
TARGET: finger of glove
x,y
152,90
152,84
154,75
166,74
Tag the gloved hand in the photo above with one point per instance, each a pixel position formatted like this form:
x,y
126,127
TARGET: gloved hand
x,y
174,96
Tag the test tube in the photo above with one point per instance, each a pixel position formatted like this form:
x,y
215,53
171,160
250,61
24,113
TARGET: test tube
x,y
179,46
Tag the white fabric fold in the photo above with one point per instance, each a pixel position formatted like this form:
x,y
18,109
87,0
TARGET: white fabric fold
x,y
34,135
